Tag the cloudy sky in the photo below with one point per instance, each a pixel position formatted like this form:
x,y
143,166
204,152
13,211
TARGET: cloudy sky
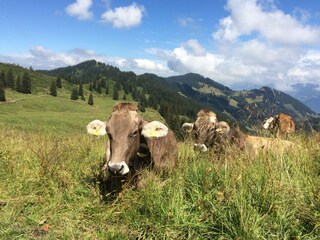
x,y
239,43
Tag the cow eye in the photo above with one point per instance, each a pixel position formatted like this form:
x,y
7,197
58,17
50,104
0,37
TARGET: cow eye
x,y
133,134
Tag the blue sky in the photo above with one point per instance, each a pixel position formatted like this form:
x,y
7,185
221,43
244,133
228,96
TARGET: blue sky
x,y
239,43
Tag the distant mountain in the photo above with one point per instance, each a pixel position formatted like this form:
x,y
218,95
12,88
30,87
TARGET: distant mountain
x,y
248,105
309,94
179,97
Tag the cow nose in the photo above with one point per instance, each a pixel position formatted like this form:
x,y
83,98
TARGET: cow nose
x,y
201,147
118,168
115,169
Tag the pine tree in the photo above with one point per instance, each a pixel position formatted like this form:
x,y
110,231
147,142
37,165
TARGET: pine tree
x,y
94,84
2,93
3,79
115,93
53,88
141,108
10,79
90,100
135,94
26,83
59,82
107,90
124,97
103,83
99,90
80,90
90,87
18,84
74,94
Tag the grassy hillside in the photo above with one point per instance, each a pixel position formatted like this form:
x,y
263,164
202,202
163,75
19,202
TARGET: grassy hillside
x,y
49,188
50,183
56,115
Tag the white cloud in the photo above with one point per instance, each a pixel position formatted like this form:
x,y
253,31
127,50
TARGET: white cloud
x,y
249,17
149,65
124,17
40,57
80,9
192,57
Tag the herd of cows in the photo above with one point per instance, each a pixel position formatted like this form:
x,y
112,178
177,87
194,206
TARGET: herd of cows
x,y
135,144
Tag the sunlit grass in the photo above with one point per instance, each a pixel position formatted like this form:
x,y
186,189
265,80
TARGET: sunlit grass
x,y
48,179
49,184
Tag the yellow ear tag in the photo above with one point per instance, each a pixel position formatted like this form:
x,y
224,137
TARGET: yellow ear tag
x,y
153,133
96,132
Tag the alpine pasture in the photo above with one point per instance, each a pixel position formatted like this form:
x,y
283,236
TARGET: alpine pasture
x,y
50,182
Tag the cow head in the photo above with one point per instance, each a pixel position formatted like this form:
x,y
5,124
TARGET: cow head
x,y
203,129
126,129
222,128
268,123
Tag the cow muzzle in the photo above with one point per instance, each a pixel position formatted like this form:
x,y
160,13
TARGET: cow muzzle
x,y
118,169
201,147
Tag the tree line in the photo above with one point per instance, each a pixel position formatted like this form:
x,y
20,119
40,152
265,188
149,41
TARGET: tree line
x,y
17,83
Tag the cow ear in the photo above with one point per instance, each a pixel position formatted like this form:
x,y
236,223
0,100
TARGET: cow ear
x,y
97,128
187,127
154,129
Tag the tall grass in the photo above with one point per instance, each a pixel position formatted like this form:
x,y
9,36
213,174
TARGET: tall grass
x,y
49,188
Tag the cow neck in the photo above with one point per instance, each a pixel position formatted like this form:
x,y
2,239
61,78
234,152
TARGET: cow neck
x,y
143,151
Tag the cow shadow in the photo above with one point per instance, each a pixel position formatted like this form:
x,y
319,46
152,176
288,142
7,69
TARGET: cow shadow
x,y
110,188
99,179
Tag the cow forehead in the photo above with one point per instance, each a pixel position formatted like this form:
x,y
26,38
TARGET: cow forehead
x,y
202,125
123,121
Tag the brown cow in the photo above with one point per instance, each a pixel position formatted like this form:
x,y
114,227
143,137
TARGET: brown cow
x,y
135,144
217,135
203,129
281,125
209,133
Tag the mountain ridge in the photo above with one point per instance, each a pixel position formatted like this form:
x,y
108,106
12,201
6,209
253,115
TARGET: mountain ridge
x,y
178,98
246,106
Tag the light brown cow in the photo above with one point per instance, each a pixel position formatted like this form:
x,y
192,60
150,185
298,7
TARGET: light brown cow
x,y
135,144
281,125
255,145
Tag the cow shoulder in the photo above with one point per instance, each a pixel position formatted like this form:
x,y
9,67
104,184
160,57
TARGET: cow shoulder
x,y
164,151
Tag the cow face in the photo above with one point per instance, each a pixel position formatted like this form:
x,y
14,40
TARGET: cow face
x,y
203,130
268,124
123,129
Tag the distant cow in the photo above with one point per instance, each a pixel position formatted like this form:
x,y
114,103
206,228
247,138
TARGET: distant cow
x,y
203,129
217,135
211,134
281,125
135,144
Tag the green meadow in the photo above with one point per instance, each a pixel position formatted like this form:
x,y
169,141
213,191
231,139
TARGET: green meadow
x,y
50,181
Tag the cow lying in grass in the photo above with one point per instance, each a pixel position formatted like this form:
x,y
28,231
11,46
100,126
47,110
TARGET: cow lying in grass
x,y
134,144
280,125
218,135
